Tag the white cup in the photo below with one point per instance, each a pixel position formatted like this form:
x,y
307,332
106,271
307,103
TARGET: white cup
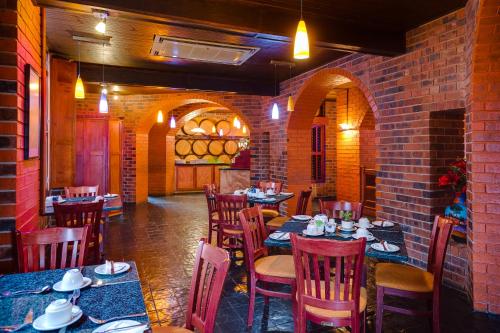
x,y
331,226
270,192
58,312
312,229
364,222
347,225
361,232
72,279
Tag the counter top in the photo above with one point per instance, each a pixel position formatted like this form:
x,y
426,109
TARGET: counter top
x,y
234,169
196,164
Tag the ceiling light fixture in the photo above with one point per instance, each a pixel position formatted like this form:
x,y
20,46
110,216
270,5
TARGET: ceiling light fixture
x,y
79,88
159,117
346,126
172,121
275,112
214,130
301,42
236,122
244,130
290,104
103,102
102,15
221,132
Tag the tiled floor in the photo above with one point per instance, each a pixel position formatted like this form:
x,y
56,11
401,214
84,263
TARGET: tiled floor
x,y
161,237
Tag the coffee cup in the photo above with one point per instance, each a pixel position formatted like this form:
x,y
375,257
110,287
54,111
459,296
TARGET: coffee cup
x,y
347,225
58,312
72,279
270,192
331,225
312,229
364,222
361,232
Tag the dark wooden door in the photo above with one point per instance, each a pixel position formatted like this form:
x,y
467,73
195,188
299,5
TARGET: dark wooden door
x,y
92,153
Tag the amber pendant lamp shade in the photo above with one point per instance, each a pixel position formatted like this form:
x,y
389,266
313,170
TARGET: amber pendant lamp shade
x,y
301,43
172,122
79,88
289,105
159,117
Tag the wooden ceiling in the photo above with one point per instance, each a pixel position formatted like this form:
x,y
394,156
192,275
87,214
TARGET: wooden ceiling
x,y
335,27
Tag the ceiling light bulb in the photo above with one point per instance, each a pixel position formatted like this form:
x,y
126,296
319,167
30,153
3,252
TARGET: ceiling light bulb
x,y
103,102
290,107
159,117
101,26
104,91
244,129
301,43
345,127
172,122
275,113
79,88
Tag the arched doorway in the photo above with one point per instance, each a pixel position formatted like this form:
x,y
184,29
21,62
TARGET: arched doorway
x,y
345,150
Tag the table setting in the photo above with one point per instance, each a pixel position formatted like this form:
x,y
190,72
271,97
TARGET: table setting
x,y
104,298
256,196
385,239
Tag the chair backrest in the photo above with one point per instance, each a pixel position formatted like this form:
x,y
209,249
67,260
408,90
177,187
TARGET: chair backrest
x,y
333,208
210,270
302,202
440,236
254,234
314,260
210,192
33,248
269,185
76,215
229,206
81,191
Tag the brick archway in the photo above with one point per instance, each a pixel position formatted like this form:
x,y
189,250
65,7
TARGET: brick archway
x,y
307,101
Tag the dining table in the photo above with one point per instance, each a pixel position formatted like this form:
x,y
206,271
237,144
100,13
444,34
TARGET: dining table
x,y
270,199
392,235
105,298
112,205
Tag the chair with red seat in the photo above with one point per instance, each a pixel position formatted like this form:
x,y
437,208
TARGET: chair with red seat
x,y
33,248
260,265
213,211
210,270
231,233
412,282
325,298
333,208
301,209
76,215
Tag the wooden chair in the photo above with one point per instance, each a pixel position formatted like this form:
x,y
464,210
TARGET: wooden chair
x,y
81,191
333,208
33,248
210,270
213,211
260,265
231,233
76,215
325,298
270,211
412,282
301,209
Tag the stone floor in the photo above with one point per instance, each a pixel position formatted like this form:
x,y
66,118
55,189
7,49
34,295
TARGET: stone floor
x,y
161,237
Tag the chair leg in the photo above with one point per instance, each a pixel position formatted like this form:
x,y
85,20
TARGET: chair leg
x,y
301,319
436,306
210,232
294,307
251,304
363,324
266,286
380,309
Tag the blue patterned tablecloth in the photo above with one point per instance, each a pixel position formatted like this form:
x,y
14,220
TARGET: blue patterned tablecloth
x,y
393,235
103,302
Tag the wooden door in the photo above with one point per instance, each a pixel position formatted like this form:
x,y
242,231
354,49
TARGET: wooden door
x,y
92,153
115,156
203,175
185,177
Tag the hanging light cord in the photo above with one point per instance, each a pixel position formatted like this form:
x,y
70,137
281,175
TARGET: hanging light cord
x,y
79,59
347,107
300,9
275,80
103,65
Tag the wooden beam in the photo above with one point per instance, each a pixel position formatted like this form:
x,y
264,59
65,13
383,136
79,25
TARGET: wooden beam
x,y
174,79
257,21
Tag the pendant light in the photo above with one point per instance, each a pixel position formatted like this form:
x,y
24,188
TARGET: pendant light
x,y
159,117
290,104
103,102
101,26
172,121
236,122
214,130
346,126
301,42
244,130
221,132
79,88
275,112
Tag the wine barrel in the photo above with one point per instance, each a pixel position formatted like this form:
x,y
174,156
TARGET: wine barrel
x,y
230,147
191,158
224,159
225,126
207,125
215,147
182,147
188,126
199,147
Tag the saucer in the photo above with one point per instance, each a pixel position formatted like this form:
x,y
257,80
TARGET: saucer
x,y
122,326
368,227
57,286
369,238
304,232
279,235
346,230
40,323
390,247
286,193
383,224
301,217
109,196
120,267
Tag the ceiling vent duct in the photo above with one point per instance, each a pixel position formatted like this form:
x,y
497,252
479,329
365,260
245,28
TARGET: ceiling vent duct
x,y
194,50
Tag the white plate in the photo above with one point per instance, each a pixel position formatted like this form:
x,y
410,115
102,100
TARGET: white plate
x,y
302,217
304,232
347,230
122,324
286,193
86,281
383,224
278,235
120,267
40,323
390,247
369,238
111,196
368,227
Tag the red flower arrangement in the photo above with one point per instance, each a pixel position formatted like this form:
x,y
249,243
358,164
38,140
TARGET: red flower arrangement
x,y
455,177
